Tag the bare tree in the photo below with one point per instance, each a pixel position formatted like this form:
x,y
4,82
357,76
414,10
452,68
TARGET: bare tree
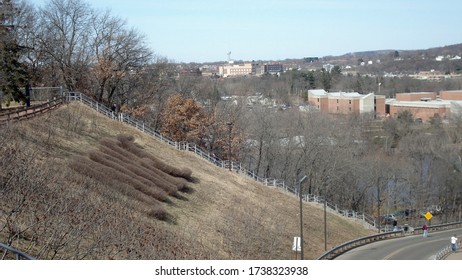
x,y
121,55
64,39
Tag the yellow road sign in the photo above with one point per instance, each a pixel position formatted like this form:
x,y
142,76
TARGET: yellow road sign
x,y
428,216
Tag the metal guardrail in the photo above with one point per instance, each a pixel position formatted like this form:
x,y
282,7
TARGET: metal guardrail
x,y
340,249
232,165
18,254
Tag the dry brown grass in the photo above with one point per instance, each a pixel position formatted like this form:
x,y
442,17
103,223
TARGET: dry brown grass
x,y
91,215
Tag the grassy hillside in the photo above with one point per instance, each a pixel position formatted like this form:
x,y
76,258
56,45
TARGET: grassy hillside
x,y
65,195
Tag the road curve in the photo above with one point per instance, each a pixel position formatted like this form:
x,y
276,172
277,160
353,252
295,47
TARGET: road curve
x,y
414,247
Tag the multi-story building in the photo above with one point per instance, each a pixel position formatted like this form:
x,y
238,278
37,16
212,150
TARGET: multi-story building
x,y
346,102
245,69
415,96
451,95
425,105
232,69
423,110
273,68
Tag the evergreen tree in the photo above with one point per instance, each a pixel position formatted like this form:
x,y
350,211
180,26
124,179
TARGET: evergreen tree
x,y
13,74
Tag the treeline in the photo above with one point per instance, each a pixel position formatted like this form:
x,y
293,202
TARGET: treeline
x,y
68,43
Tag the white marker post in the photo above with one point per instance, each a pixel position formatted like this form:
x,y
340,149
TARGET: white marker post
x,y
297,245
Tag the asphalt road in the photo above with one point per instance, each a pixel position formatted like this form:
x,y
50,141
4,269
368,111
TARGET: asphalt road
x,y
414,247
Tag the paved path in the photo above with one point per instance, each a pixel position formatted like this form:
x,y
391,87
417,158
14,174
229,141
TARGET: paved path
x,y
455,256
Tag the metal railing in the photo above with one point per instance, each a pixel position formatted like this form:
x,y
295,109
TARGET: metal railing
x,y
5,249
232,165
32,111
338,250
446,251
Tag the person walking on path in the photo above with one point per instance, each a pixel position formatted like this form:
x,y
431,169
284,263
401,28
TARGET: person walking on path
x,y
425,230
453,243
395,225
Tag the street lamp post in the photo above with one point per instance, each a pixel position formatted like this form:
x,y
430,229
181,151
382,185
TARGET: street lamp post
x,y
325,222
379,202
230,127
301,214
325,214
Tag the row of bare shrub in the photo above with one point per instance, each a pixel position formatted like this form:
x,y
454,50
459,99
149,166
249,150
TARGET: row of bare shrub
x,y
144,166
133,172
127,142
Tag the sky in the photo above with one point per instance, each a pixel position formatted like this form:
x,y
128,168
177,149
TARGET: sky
x,y
207,30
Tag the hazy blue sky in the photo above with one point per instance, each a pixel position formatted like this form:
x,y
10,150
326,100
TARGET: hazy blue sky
x,y
206,30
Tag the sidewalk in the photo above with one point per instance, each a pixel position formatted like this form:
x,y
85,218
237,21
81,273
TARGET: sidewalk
x,y
454,256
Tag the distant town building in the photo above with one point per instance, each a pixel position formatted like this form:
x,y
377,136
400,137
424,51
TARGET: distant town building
x,y
245,69
209,71
422,110
346,102
415,96
230,70
273,68
425,105
311,59
429,75
447,57
328,67
451,95
439,58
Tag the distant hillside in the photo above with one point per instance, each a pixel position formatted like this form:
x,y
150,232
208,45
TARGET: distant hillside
x,y
399,61
381,54
444,50
65,195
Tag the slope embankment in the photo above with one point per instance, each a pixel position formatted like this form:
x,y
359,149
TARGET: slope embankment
x,y
99,189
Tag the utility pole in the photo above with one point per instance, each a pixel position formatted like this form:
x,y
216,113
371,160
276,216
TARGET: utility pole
x,y
378,203
325,214
301,215
325,222
230,127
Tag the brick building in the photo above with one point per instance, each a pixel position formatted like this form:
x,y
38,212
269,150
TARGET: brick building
x,y
425,105
451,95
346,102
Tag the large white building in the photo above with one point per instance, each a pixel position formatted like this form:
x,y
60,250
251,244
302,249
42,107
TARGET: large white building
x,y
245,69
236,70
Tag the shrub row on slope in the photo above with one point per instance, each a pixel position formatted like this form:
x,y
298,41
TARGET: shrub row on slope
x,y
129,170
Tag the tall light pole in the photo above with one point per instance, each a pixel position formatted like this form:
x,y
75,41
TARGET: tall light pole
x,y
325,217
379,201
301,214
230,127
325,213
